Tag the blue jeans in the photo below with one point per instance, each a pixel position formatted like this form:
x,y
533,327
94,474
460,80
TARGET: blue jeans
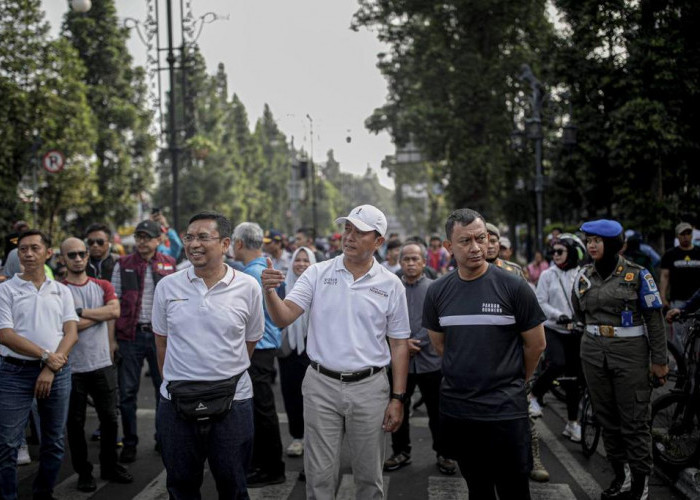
x,y
132,354
16,395
227,446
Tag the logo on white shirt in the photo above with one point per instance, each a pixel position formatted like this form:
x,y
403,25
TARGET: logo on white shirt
x,y
489,307
330,281
379,292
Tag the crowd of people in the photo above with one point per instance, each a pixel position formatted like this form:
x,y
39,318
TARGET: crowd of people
x,y
352,325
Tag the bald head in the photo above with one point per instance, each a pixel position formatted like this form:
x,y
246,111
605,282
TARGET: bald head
x,y
72,244
74,255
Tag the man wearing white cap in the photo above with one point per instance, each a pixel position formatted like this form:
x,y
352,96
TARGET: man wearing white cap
x,y
355,304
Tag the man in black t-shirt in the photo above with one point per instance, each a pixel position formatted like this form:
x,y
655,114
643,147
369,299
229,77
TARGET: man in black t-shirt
x,y
680,275
487,324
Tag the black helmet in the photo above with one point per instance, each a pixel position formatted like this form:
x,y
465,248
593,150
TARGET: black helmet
x,y
575,249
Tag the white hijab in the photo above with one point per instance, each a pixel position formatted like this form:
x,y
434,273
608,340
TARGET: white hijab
x,y
296,332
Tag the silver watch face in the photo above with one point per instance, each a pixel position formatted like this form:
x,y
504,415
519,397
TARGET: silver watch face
x,y
44,356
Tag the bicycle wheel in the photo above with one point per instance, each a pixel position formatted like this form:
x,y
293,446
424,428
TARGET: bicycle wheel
x,y
590,429
674,430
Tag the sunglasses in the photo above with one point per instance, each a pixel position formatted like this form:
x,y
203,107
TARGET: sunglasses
x,y
98,242
559,251
74,255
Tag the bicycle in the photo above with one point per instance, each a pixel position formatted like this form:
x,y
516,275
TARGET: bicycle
x,y
675,416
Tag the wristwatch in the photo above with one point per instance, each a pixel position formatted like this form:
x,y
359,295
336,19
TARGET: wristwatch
x,y
79,311
45,356
401,397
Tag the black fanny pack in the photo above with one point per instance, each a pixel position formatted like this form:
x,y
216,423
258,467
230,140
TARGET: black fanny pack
x,y
203,401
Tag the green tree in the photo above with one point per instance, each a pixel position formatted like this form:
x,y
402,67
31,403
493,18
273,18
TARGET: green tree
x,y
117,95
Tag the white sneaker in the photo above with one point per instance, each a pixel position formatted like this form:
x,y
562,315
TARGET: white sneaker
x,y
535,409
23,457
295,448
572,431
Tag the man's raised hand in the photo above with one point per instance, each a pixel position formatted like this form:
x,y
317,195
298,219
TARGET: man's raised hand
x,y
271,278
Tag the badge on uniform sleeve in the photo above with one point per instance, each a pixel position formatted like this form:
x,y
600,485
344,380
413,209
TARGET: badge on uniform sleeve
x,y
648,292
629,277
619,270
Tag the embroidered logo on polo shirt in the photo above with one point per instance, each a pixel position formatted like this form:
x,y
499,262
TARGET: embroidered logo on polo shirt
x,y
489,307
330,281
378,291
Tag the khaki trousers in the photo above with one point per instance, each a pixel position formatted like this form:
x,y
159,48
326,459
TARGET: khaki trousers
x,y
334,410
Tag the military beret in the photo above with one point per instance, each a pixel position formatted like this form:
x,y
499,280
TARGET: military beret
x,y
602,227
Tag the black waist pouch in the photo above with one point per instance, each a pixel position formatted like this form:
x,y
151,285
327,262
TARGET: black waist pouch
x,y
203,401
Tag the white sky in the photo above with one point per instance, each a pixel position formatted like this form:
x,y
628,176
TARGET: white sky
x,y
298,56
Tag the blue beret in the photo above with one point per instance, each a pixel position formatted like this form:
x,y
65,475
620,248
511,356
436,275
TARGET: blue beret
x,y
602,227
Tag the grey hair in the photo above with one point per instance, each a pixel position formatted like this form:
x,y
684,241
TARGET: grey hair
x,y
250,233
421,247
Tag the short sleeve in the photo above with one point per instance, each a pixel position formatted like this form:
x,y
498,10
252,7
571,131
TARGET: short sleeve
x,y
398,325
649,296
6,320
303,290
431,319
68,303
159,317
108,290
528,313
255,326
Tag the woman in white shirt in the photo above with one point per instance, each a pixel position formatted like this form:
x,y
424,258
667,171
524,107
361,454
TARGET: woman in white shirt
x,y
563,341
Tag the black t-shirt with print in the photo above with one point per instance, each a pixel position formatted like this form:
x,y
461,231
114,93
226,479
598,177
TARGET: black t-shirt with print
x,y
483,366
684,271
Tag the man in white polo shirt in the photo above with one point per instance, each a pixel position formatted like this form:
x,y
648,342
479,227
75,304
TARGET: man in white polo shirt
x,y
207,319
38,329
355,304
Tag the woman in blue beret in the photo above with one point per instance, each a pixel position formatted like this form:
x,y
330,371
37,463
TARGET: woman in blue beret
x,y
624,342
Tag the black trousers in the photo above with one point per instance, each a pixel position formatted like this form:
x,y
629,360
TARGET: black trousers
x,y
493,456
267,442
429,385
563,358
292,371
102,386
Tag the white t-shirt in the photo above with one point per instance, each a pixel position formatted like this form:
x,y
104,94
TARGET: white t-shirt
x,y
207,328
37,315
350,319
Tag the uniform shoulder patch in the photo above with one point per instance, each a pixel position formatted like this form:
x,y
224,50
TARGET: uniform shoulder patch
x,y
648,292
629,277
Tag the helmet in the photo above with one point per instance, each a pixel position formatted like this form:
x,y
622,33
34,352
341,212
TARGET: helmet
x,y
576,250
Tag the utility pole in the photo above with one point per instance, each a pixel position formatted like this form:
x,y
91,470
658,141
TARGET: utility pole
x,y
314,204
172,133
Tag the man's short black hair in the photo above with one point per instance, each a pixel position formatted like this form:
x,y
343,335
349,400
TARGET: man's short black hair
x,y
391,244
308,232
464,216
35,232
223,225
435,237
98,226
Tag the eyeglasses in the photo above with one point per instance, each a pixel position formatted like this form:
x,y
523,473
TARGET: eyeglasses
x,y
202,238
143,237
74,255
559,251
99,242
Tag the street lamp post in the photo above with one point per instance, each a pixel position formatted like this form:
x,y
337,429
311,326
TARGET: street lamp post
x,y
314,205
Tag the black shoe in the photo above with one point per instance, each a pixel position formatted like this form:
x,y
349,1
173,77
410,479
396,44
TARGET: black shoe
x,y
615,490
86,482
301,476
117,475
128,454
258,479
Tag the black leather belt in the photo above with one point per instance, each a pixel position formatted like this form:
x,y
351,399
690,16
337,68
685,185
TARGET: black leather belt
x,y
144,326
21,362
347,376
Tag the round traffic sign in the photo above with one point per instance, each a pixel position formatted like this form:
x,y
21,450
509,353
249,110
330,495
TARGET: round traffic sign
x,y
53,161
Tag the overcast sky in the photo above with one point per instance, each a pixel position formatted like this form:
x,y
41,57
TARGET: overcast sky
x,y
298,56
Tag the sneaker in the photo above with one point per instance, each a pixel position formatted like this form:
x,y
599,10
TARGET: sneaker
x,y
572,431
535,409
295,448
128,454
258,479
446,466
396,461
86,482
23,457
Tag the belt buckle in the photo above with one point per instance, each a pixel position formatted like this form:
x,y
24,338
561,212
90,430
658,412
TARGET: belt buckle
x,y
607,330
345,374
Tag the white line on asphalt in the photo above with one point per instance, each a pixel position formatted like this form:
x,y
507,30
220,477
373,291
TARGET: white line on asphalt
x,y
559,409
586,482
156,489
347,488
276,491
68,489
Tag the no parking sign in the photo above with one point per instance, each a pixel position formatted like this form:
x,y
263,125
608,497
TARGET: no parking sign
x,y
53,161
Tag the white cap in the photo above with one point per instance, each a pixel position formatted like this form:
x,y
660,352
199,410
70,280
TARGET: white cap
x,y
366,218
504,242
